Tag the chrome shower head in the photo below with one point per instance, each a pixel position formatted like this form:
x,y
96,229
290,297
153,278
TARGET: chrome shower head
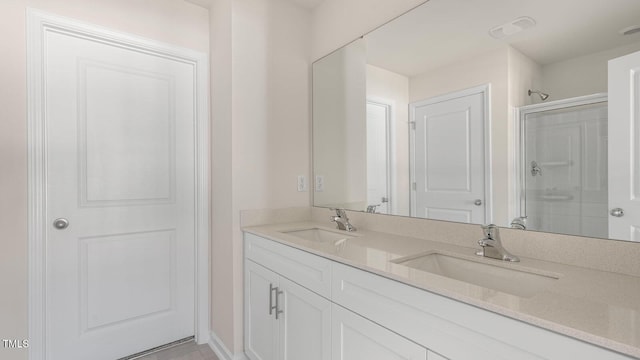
x,y
542,95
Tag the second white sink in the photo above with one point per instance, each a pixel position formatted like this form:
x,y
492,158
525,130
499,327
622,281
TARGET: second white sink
x,y
508,280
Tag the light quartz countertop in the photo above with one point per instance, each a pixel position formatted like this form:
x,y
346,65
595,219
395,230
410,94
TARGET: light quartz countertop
x,y
602,308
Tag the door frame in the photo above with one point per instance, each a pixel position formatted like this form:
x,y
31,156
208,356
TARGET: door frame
x,y
517,205
390,120
38,24
485,90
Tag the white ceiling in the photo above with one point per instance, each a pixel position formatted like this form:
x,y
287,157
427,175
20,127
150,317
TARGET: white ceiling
x,y
444,31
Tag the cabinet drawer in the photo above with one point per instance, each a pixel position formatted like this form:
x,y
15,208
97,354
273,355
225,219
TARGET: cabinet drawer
x,y
457,330
308,270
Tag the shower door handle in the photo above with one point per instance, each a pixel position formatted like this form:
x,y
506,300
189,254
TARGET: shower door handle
x,y
617,212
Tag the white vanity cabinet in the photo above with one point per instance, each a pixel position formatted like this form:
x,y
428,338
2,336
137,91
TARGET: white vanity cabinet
x,y
283,320
454,329
338,312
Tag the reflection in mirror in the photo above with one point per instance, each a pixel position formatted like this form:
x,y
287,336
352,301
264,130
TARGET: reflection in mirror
x,y
447,114
564,166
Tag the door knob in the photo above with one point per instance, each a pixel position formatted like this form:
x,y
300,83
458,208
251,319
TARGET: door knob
x,y
535,169
61,223
617,212
478,202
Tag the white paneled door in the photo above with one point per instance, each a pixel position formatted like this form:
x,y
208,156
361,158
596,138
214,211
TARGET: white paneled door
x,y
448,146
120,151
378,156
624,147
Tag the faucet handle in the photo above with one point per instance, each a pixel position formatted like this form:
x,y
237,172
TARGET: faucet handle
x,y
490,231
339,212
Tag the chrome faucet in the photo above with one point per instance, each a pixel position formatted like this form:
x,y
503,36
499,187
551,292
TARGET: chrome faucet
x,y
519,223
492,247
372,208
341,220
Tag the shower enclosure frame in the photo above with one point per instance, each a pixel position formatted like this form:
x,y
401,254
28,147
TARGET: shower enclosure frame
x,y
517,206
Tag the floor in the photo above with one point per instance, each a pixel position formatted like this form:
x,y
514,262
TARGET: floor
x,y
186,351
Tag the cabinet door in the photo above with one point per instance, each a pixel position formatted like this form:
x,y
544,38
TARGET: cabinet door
x,y
261,328
305,323
356,338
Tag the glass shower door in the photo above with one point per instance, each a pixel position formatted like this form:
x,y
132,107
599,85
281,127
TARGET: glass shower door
x,y
565,170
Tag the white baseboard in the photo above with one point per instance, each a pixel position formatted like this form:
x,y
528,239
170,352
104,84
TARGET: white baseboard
x,y
221,350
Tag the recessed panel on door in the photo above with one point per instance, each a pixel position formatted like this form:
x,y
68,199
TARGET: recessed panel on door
x,y
126,126
127,276
448,214
447,151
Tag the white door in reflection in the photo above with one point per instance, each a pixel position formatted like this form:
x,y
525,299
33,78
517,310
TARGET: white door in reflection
x,y
624,147
379,157
448,157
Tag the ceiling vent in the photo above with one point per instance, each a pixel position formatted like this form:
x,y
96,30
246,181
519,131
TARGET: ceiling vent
x,y
512,27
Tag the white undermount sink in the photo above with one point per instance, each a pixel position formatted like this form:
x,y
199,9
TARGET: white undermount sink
x,y
319,235
517,282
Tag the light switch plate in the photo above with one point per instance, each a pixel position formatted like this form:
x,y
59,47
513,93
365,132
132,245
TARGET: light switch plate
x,y
302,183
319,183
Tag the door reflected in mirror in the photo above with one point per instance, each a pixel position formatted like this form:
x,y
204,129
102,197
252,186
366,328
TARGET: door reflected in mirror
x,y
423,117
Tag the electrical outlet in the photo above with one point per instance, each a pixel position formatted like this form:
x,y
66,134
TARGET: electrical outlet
x,y
302,183
319,183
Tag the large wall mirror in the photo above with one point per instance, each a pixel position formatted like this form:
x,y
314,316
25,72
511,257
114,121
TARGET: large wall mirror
x,y
520,113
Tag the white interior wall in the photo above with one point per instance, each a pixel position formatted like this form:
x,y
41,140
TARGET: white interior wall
x,y
389,87
524,74
170,21
583,75
222,296
261,110
488,68
339,109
